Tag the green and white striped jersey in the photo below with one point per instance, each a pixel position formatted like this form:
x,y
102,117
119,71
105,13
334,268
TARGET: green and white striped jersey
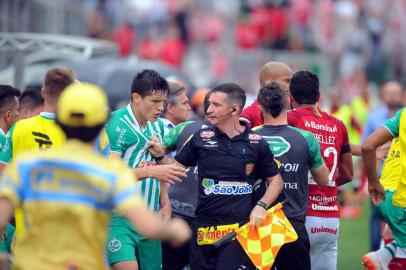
x,y
3,139
129,140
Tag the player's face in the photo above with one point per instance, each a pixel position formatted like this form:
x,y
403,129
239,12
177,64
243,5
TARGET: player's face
x,y
219,110
181,109
150,106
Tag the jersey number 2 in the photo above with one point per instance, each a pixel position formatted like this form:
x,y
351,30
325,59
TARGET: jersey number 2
x,y
327,152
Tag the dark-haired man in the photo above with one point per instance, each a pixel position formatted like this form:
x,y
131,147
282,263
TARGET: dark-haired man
x,y
130,130
68,193
322,221
230,159
31,103
299,153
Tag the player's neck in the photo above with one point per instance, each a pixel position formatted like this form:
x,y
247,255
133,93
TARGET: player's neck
x,y
231,128
49,107
275,121
3,126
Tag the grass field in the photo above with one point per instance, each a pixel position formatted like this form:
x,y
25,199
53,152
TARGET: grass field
x,y
353,241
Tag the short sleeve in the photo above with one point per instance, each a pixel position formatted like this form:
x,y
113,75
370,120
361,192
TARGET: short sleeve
x,y
345,147
314,146
116,136
10,184
125,196
246,115
393,124
171,138
187,154
104,145
268,165
6,153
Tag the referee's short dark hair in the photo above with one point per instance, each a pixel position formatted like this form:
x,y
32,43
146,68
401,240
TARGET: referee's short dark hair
x,y
7,97
304,87
234,92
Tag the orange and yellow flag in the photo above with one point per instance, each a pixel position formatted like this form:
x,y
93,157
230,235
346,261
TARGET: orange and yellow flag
x,y
263,243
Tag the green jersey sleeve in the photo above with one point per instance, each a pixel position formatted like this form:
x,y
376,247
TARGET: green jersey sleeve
x,y
6,239
393,124
171,138
314,147
6,153
116,134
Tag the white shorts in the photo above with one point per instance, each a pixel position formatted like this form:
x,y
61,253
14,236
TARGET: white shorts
x,y
323,236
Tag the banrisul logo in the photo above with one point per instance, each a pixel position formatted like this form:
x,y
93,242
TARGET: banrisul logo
x,y
278,145
226,187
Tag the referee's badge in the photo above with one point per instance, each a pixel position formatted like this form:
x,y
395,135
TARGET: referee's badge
x,y
249,167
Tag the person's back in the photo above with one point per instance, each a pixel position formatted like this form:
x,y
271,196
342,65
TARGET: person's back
x,y
77,188
322,221
331,135
37,132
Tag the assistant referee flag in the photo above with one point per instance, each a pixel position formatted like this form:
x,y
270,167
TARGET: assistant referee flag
x,y
263,243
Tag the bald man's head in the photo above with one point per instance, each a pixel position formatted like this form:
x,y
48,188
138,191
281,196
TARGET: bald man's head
x,y
275,72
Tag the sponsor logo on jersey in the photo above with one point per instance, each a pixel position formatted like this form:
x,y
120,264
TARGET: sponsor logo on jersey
x,y
254,137
323,230
278,145
312,124
43,140
290,167
317,207
146,164
114,245
289,185
225,187
121,136
207,134
323,200
249,168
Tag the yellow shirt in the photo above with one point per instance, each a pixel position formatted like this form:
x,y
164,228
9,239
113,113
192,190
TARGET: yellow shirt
x,y
397,127
67,195
391,167
42,133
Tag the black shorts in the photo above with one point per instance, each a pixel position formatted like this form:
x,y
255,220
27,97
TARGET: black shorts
x,y
176,258
230,256
295,255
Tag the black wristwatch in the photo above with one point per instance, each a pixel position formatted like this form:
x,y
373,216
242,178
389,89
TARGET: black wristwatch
x,y
159,158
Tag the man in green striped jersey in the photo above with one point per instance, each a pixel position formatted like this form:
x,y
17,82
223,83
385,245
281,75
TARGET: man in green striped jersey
x,y
8,116
130,130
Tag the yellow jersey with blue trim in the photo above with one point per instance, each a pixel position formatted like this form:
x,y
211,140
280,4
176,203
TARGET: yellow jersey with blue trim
x,y
38,132
67,195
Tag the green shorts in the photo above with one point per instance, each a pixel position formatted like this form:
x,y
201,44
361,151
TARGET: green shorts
x,y
126,244
395,217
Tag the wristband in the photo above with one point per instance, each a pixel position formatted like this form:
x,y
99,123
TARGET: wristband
x,y
159,158
262,204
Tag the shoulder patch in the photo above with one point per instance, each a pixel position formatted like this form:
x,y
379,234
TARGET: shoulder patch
x,y
206,134
254,137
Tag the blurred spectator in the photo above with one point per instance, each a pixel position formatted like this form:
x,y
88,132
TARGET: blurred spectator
x,y
197,102
124,36
172,47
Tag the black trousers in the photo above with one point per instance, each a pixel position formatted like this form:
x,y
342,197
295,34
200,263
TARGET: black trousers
x,y
295,255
